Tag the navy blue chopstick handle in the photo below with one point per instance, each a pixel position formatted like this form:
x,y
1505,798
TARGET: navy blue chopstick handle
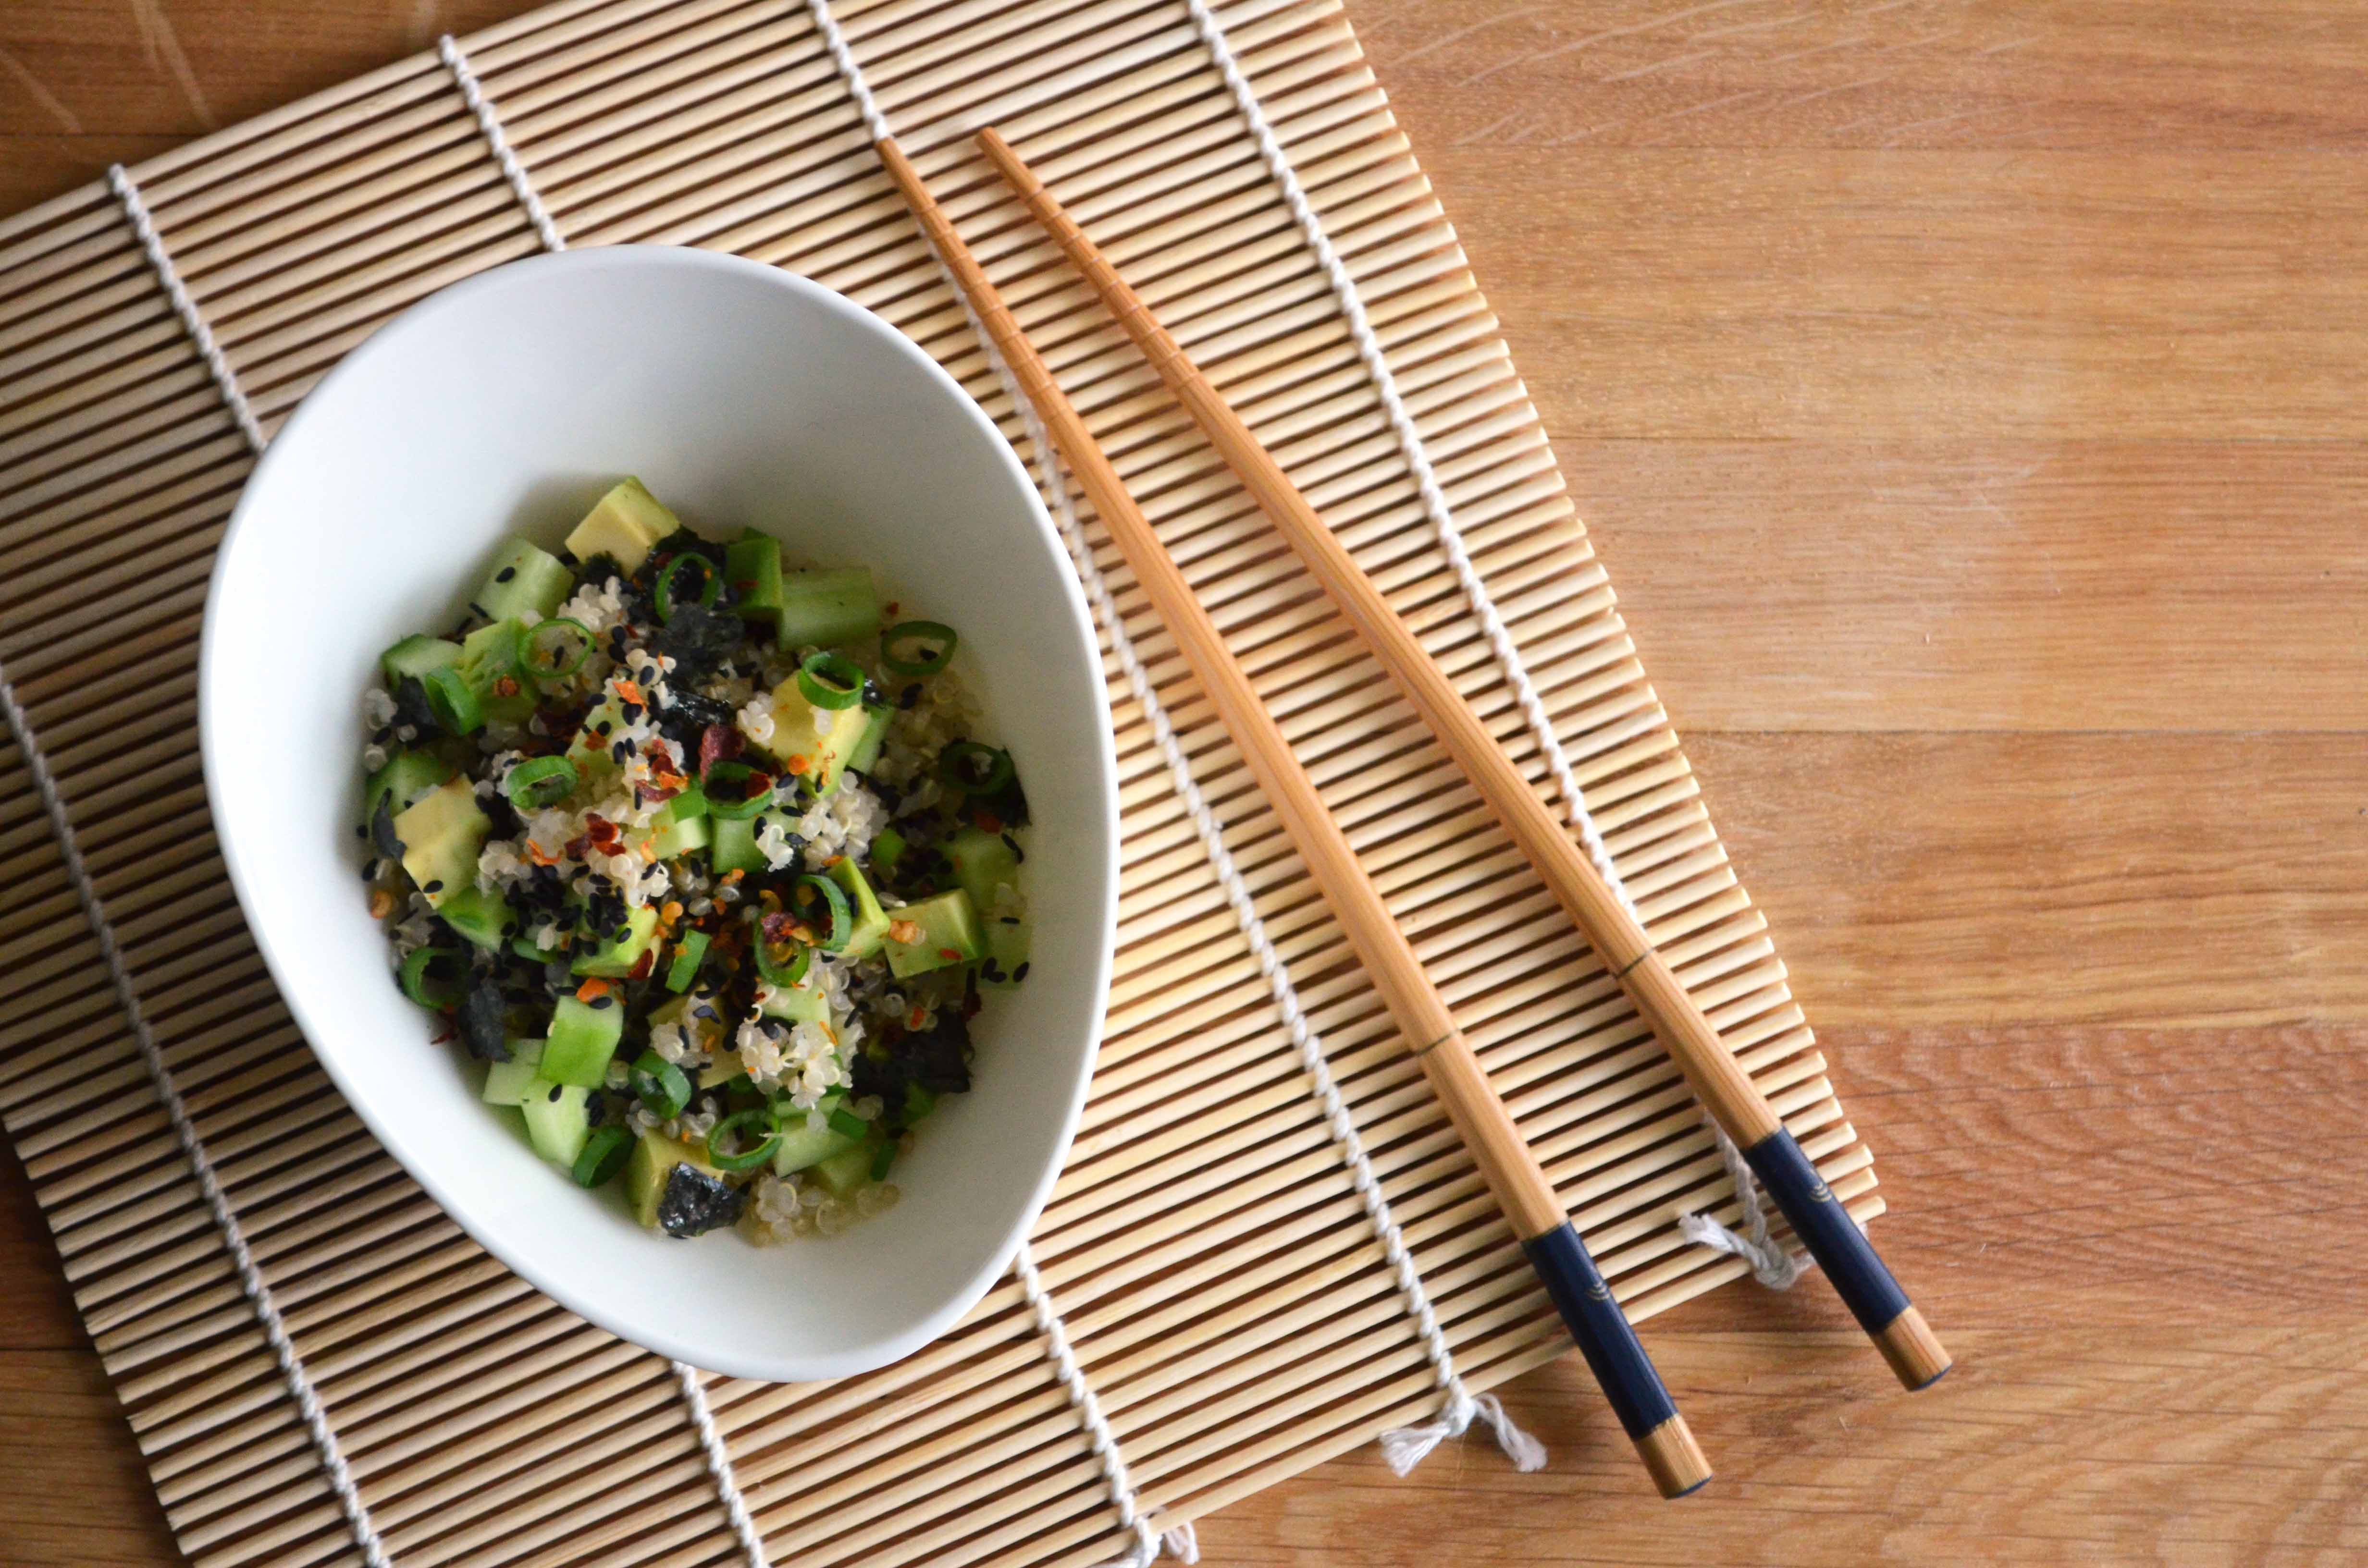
x,y
1600,1329
1832,1238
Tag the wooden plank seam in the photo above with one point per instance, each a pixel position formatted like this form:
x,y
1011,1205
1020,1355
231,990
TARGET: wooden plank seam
x,y
694,1394
1771,1265
1403,1448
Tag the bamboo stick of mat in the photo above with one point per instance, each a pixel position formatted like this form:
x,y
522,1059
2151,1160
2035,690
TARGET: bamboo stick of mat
x,y
1841,1248
1528,1198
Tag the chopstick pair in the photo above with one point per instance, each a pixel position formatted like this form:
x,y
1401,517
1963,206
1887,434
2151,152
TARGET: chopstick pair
x,y
1602,1332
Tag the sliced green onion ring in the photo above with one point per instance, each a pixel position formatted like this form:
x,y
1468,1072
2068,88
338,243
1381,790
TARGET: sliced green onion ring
x,y
424,988
842,918
959,764
736,808
743,1123
790,973
661,1087
540,781
605,1153
930,661
557,648
669,593
453,701
831,680
847,1124
687,961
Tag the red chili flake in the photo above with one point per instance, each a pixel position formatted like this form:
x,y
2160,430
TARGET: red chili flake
x,y
987,819
643,965
949,955
777,926
600,831
717,742
539,855
627,691
894,607
381,904
916,1018
592,990
798,765
504,686
443,1037
906,932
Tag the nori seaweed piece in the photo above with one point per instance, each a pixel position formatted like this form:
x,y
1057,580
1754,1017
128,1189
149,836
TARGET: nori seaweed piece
x,y
695,1203
411,706
699,638
938,1059
485,1019
383,838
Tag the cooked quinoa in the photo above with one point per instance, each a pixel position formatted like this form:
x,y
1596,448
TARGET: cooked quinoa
x,y
700,859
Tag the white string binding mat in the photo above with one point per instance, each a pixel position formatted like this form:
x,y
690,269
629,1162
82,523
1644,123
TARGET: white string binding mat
x,y
1401,1448
694,1394
1771,1264
185,1132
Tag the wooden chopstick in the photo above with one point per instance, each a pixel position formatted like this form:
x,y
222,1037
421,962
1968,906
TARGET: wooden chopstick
x,y
1834,1239
1528,1198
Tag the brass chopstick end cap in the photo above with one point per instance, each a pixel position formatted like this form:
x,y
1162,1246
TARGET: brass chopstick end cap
x,y
1913,1350
1673,1457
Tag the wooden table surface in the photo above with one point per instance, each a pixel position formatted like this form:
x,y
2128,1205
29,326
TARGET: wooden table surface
x,y
1968,401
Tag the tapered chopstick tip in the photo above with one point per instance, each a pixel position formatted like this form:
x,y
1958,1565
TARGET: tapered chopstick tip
x,y
1914,1352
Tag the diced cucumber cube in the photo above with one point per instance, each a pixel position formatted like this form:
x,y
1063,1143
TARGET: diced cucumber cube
x,y
584,1036
828,610
417,657
798,1005
752,568
984,863
508,1083
871,920
492,661
555,1121
801,1148
479,915
944,930
525,577
842,1172
616,952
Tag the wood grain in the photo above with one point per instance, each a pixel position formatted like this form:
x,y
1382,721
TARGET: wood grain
x,y
1965,400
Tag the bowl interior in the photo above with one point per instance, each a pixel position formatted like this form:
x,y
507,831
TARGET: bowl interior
x,y
743,396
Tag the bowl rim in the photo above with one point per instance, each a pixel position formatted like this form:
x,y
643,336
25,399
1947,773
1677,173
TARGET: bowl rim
x,y
731,1361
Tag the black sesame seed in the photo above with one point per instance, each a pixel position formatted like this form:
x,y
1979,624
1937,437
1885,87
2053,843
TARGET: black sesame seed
x,y
621,750
1019,974
910,697
1013,844
369,871
435,886
601,729
553,1095
603,1000
621,934
362,830
505,574
632,712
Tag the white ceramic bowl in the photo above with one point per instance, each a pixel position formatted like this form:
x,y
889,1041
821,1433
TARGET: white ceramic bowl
x,y
743,395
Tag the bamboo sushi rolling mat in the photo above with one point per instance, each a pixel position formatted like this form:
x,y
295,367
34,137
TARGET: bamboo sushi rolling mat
x,y
1211,1306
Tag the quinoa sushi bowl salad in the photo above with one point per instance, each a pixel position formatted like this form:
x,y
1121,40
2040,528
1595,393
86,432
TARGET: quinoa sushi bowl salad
x,y
697,856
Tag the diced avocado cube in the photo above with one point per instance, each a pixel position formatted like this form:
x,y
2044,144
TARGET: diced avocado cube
x,y
944,930
508,1083
800,748
800,1147
480,914
417,657
555,1121
524,577
871,920
869,743
584,1036
828,610
656,1157
616,952
492,661
752,568
625,523
442,834
406,776
842,1172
